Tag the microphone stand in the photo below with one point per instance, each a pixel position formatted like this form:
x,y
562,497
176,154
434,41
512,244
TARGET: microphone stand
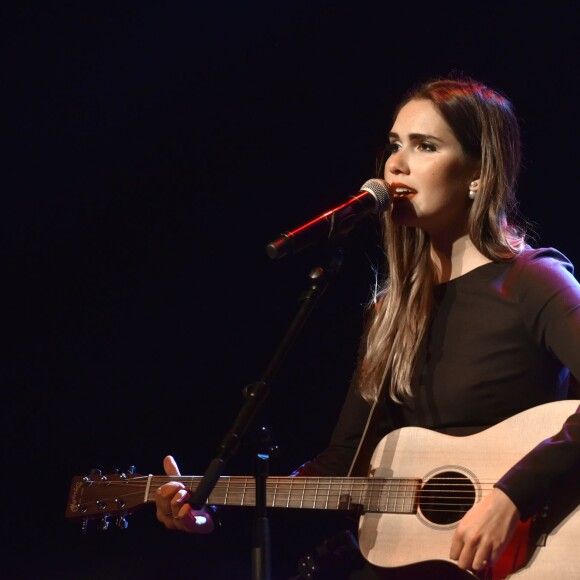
x,y
255,395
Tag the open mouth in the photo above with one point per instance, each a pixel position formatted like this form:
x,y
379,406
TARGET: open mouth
x,y
401,191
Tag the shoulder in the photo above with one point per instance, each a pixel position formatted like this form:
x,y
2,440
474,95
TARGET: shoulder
x,y
541,263
544,270
548,258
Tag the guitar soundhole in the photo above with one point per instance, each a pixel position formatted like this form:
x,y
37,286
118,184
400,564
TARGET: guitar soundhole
x,y
446,497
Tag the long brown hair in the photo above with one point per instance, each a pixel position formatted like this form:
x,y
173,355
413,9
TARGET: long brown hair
x,y
484,122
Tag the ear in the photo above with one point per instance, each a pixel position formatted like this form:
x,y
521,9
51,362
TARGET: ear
x,y
476,175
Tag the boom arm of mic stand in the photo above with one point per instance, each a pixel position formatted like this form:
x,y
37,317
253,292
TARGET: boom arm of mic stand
x,y
256,393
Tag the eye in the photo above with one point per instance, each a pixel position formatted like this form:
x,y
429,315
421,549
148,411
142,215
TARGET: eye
x,y
393,148
427,146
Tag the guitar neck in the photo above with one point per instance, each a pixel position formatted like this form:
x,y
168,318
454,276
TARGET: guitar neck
x,y
117,494
325,493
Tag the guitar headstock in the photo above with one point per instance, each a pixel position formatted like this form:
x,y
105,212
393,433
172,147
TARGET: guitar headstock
x,y
98,496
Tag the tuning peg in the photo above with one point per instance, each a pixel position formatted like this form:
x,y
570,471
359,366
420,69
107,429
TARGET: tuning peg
x,y
122,523
85,525
131,469
93,473
103,524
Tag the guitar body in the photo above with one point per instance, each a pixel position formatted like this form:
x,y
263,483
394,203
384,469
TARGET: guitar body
x,y
472,464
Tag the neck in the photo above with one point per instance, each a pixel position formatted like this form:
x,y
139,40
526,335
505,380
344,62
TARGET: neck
x,y
455,258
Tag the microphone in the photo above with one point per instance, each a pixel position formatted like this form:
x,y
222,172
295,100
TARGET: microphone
x,y
374,197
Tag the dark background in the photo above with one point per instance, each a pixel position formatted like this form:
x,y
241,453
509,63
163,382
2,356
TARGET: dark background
x,y
151,151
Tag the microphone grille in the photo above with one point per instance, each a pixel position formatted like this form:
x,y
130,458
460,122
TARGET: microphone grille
x,y
381,190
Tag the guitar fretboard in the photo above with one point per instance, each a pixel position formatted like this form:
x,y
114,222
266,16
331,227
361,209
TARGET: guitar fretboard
x,y
325,493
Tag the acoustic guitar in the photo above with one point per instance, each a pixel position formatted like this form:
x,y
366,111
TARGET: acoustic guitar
x,y
420,484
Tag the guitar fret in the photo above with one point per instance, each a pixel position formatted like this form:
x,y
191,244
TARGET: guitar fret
x,y
401,489
342,502
297,488
291,493
385,494
374,491
273,492
149,478
355,492
316,492
344,497
408,496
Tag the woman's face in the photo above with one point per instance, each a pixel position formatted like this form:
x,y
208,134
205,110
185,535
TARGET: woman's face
x,y
429,173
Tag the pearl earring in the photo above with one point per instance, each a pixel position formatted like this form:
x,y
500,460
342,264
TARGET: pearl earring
x,y
472,190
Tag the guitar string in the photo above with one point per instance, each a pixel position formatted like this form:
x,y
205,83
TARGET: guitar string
x,y
312,482
364,487
435,505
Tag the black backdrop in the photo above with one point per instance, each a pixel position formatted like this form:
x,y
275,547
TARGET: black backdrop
x,y
151,152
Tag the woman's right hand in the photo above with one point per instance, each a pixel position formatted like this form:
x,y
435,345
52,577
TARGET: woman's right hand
x,y
173,511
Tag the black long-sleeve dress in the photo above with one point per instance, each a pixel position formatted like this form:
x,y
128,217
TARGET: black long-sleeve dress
x,y
503,338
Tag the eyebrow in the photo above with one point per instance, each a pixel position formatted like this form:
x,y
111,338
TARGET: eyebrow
x,y
415,136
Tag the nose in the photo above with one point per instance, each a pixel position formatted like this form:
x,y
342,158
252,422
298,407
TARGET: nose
x,y
396,164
